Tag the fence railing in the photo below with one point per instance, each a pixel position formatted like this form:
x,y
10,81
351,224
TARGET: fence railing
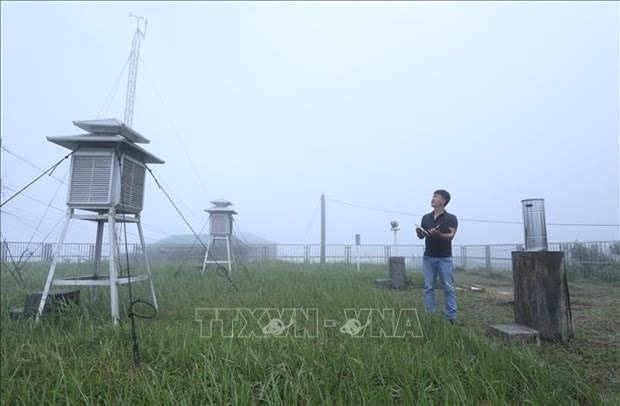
x,y
491,256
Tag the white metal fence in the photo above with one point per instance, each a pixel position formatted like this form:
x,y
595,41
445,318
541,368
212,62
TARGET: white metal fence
x,y
497,256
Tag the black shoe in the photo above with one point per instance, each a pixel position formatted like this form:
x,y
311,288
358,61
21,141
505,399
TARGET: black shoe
x,y
455,322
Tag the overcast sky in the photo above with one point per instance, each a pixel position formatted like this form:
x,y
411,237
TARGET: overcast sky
x,y
374,104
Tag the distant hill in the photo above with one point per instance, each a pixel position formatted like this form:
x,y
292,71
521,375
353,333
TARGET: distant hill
x,y
246,247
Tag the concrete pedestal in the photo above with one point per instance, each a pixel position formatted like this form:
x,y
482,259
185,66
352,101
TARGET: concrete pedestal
x,y
397,272
56,300
541,294
383,283
514,333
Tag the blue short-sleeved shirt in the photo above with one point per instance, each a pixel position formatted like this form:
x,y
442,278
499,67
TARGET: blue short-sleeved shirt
x,y
438,247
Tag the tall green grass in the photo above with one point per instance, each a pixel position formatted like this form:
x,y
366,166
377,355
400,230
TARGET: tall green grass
x,y
79,357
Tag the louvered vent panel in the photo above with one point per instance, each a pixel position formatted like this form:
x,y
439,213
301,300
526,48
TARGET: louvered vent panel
x,y
220,224
90,179
132,186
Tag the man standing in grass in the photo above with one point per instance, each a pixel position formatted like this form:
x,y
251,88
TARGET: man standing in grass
x,y
438,228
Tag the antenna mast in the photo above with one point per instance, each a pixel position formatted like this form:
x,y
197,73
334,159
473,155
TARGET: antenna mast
x,y
134,58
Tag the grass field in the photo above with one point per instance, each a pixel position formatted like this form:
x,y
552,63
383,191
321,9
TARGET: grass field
x,y
78,357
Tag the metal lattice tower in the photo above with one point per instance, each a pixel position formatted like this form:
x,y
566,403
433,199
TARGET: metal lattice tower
x,y
134,59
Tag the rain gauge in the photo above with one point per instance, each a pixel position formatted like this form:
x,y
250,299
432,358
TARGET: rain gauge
x,y
534,224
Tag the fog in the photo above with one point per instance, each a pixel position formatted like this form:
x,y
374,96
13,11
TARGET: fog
x,y
373,104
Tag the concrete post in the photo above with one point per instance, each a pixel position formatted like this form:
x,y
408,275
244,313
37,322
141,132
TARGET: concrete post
x,y
487,255
464,257
397,272
541,293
